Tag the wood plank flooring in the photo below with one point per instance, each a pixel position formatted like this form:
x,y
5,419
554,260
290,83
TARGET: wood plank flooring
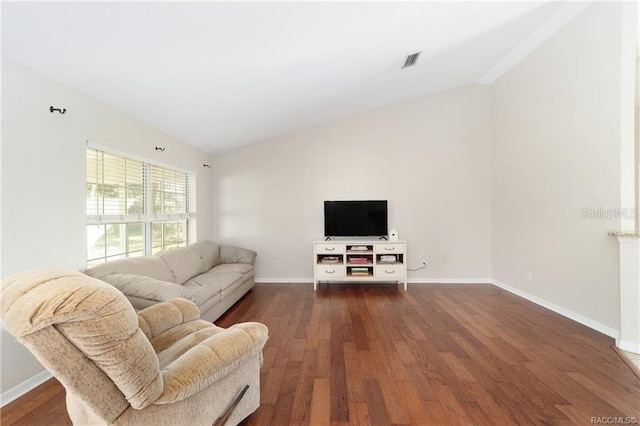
x,y
371,354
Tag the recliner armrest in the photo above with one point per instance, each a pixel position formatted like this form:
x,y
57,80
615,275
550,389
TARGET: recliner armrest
x,y
159,318
210,360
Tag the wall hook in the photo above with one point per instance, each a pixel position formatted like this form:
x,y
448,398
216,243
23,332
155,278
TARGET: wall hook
x,y
160,149
61,111
206,165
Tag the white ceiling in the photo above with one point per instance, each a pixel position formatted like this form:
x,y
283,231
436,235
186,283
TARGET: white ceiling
x,y
219,75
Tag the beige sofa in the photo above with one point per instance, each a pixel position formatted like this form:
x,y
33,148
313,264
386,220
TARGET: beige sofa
x,y
213,276
163,366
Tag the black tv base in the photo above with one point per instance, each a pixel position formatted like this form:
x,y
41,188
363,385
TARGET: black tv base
x,y
381,237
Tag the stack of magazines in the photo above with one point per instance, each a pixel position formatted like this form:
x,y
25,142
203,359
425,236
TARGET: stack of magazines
x,y
360,260
330,259
388,258
359,248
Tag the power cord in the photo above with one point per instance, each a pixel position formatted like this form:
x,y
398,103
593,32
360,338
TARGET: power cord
x,y
424,266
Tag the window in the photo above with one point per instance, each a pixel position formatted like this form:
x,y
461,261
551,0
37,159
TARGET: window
x,y
135,208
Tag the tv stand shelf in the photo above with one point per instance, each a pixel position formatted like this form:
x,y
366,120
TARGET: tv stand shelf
x,y
359,260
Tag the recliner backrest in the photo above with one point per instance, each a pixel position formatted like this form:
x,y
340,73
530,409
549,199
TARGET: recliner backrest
x,y
86,333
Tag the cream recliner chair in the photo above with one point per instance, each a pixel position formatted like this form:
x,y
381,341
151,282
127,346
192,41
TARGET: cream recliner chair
x,y
161,366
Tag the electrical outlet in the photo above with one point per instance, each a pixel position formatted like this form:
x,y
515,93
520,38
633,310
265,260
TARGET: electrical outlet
x,y
278,264
530,276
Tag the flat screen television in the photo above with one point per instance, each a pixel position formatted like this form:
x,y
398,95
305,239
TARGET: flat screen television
x,y
355,218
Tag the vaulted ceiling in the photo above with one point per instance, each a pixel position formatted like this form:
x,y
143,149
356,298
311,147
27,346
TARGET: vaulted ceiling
x,y
219,75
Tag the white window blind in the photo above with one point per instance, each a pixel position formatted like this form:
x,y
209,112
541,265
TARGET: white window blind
x,y
169,191
115,186
134,208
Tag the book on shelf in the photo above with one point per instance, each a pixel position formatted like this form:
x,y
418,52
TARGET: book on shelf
x,y
359,260
359,248
330,259
360,271
388,258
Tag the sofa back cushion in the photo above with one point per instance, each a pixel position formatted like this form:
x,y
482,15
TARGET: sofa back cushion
x,y
209,253
235,254
147,288
183,262
176,265
150,266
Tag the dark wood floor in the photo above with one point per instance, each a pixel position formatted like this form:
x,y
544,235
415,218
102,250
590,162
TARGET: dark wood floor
x,y
437,354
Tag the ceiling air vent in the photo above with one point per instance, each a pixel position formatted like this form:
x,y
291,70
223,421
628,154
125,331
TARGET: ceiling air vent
x,y
411,60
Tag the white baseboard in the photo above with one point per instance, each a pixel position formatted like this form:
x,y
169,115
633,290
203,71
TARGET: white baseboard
x,y
449,281
284,280
629,347
24,387
410,280
560,310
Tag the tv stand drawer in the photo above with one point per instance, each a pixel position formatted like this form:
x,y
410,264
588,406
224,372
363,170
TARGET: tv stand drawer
x,y
330,248
330,271
390,271
389,248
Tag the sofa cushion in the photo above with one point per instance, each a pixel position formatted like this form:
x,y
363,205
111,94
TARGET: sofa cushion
x,y
212,283
150,266
147,287
183,262
209,253
242,268
233,287
234,254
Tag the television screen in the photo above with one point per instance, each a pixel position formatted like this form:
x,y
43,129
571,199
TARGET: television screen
x,y
355,218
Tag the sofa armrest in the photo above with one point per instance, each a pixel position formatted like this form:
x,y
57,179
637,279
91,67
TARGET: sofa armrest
x,y
210,360
159,318
146,287
235,254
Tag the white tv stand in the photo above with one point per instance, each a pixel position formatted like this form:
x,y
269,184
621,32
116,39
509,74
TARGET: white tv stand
x,y
359,260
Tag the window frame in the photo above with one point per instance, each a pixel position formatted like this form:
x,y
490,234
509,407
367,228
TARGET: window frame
x,y
148,217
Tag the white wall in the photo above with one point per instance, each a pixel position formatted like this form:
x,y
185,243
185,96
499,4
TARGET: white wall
x,y
43,181
556,151
429,158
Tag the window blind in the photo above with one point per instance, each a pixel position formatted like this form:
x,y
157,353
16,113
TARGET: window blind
x,y
133,207
114,185
121,189
169,191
